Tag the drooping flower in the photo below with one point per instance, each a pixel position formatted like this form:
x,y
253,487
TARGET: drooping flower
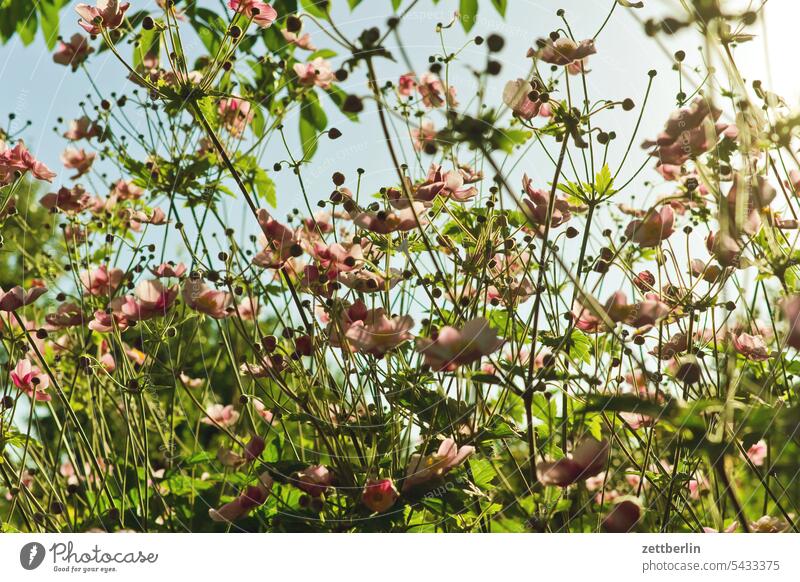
x,y
421,469
757,453
688,133
300,41
262,13
102,280
537,203
406,84
19,159
648,311
107,14
209,301
654,228
376,334
516,97
235,114
74,52
379,495
314,480
17,297
106,321
624,515
588,459
31,380
220,415
126,190
138,217
249,499
73,199
317,72
78,160
452,347
66,315
152,299
167,270
791,311
424,135
431,89
82,128
752,347
563,51
448,184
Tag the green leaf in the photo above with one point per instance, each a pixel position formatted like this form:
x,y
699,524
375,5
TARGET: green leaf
x,y
313,111
308,137
468,12
603,181
265,187
48,18
353,3
500,6
316,7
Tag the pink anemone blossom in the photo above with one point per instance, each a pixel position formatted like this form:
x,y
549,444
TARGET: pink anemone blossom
x,y
31,380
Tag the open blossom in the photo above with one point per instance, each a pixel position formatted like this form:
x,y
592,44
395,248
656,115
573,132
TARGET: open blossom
x,y
537,204
73,199
318,72
31,380
17,297
452,347
588,459
450,184
379,495
166,270
249,499
107,321
752,347
300,41
82,128
421,469
220,415
107,14
262,13
431,89
616,308
686,134
236,114
101,281
654,228
757,453
73,52
126,190
393,219
78,160
209,301
563,51
152,299
19,159
376,334
314,480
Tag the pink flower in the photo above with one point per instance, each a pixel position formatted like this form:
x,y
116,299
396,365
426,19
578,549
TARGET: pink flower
x,y
445,184
314,480
67,314
616,309
108,15
421,469
377,334
452,348
656,227
248,309
380,495
249,499
139,217
125,190
200,298
31,380
262,13
152,299
752,347
318,72
301,42
730,529
624,516
423,135
106,322
74,52
166,270
757,453
515,96
537,202
588,459
83,128
219,415
686,133
19,159
281,241
17,297
392,220
78,160
66,200
262,411
102,281
648,311
431,89
406,84
236,114
564,51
